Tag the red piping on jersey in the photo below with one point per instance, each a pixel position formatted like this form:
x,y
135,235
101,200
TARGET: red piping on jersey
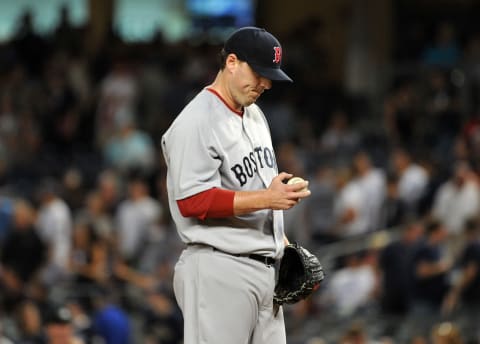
x,y
240,113
212,203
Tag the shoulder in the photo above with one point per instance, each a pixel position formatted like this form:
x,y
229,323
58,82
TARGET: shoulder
x,y
417,171
204,111
60,208
254,112
205,105
378,175
472,250
446,188
353,189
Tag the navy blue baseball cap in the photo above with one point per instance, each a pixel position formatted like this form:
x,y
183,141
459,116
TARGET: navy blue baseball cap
x,y
260,49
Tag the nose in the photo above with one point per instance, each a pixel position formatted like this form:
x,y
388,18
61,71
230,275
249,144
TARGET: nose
x,y
265,83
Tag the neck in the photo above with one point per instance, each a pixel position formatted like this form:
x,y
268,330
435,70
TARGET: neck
x,y
220,86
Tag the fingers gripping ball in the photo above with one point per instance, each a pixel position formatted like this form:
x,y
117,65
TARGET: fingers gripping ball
x,y
299,275
295,180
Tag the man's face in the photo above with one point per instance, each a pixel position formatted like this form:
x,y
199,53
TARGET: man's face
x,y
59,333
246,85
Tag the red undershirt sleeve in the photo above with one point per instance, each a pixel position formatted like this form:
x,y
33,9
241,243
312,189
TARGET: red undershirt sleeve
x,y
212,203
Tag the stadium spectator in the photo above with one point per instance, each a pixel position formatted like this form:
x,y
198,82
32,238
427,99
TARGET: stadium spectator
x,y
441,105
430,282
91,258
109,187
443,51
135,219
109,321
350,207
320,205
465,292
59,328
351,288
394,209
23,255
95,215
457,199
54,224
340,139
129,148
373,184
396,265
29,319
118,94
412,182
400,113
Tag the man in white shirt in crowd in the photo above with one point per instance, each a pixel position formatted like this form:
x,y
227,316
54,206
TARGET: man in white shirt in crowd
x,y
458,199
372,181
350,205
136,217
54,223
412,182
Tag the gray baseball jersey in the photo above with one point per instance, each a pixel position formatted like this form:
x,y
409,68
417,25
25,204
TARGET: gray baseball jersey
x,y
207,146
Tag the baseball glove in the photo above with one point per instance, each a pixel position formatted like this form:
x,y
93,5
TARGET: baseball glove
x,y
299,275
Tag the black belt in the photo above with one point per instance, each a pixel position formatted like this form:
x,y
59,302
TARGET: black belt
x,y
263,259
258,257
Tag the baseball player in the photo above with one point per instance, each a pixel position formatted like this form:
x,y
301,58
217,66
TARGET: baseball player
x,y
226,198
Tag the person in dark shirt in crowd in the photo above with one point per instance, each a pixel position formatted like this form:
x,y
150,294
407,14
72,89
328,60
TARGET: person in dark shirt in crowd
x,y
163,319
22,256
465,293
395,262
394,209
399,112
431,267
430,283
91,262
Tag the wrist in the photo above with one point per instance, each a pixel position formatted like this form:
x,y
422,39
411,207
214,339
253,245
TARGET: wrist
x,y
250,201
265,199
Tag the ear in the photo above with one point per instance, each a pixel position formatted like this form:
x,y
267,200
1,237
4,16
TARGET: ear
x,y
231,62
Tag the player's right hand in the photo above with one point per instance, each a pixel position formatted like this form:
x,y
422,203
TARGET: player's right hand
x,y
283,196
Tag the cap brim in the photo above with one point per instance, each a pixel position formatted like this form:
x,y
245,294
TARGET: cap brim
x,y
274,74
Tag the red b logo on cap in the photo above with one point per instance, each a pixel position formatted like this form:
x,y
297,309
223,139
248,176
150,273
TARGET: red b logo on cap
x,y
278,54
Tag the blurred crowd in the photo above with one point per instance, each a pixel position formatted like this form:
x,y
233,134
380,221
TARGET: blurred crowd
x,y
87,245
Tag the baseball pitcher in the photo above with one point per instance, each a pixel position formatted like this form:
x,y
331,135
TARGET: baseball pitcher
x,y
227,199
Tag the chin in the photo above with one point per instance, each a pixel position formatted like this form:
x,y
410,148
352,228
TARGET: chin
x,y
249,101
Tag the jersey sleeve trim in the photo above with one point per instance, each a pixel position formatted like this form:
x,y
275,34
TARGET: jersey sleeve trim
x,y
212,203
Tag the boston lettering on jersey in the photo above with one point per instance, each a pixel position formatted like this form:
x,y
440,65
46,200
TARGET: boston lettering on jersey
x,y
258,158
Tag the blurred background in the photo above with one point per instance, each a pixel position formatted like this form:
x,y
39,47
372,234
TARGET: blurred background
x,y
382,118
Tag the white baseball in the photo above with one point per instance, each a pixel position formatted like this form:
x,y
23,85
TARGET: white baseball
x,y
295,180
